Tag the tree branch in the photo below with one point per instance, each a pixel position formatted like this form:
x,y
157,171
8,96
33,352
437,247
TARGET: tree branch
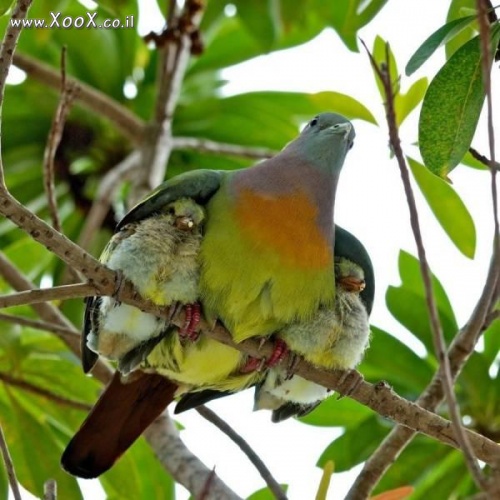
x,y
9,467
50,490
224,427
384,74
98,102
208,146
60,331
6,51
40,391
174,49
164,438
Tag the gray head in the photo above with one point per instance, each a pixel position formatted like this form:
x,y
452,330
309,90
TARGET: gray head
x,y
325,140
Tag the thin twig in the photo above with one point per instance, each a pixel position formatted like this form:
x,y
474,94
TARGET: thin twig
x,y
224,427
173,57
36,296
39,325
98,102
9,466
208,146
6,51
40,391
50,490
483,159
55,135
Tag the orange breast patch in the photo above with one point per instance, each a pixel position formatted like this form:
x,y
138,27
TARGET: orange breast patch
x,y
287,226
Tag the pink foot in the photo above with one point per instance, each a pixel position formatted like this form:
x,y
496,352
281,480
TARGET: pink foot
x,y
193,316
279,352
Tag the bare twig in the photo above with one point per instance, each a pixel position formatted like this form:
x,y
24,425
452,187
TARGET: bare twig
x,y
174,50
208,146
50,490
9,467
224,427
37,296
39,325
55,135
40,391
98,102
163,436
6,51
483,159
384,74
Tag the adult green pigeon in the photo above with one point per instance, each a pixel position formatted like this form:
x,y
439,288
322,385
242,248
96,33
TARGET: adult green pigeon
x,y
266,260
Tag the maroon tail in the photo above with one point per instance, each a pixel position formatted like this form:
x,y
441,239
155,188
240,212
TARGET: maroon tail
x,y
119,417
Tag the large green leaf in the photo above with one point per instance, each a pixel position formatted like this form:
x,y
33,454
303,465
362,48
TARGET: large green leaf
x,y
403,369
408,305
260,18
492,341
335,412
404,103
34,449
438,38
449,209
5,6
459,9
451,108
265,494
355,445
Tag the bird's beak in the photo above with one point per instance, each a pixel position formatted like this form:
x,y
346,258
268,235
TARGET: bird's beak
x,y
341,128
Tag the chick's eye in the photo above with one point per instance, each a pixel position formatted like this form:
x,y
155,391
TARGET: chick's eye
x,y
313,122
351,144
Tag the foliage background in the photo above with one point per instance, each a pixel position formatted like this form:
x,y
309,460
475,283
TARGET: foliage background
x,y
370,204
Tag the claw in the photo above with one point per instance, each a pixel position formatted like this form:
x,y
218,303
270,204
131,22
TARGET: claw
x,y
193,317
120,278
253,365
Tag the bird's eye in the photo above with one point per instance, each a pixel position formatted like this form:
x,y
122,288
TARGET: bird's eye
x,y
313,122
351,144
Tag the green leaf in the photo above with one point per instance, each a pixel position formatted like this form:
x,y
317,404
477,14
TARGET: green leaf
x,y
407,303
4,484
451,108
259,17
265,493
459,9
5,6
403,369
380,52
405,103
438,38
470,161
492,341
449,209
129,477
355,445
335,412
27,432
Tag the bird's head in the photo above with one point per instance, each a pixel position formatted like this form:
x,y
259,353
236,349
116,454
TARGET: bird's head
x,y
325,141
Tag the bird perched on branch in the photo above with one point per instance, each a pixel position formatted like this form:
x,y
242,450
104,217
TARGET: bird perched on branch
x,y
334,337
266,260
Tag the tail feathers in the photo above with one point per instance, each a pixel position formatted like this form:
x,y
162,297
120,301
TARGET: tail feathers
x,y
122,413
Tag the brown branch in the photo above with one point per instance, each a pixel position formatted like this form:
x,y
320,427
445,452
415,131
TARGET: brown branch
x,y
164,438
40,391
208,146
224,427
39,325
55,135
50,490
483,159
37,296
174,50
9,467
6,51
384,75
459,352
98,102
